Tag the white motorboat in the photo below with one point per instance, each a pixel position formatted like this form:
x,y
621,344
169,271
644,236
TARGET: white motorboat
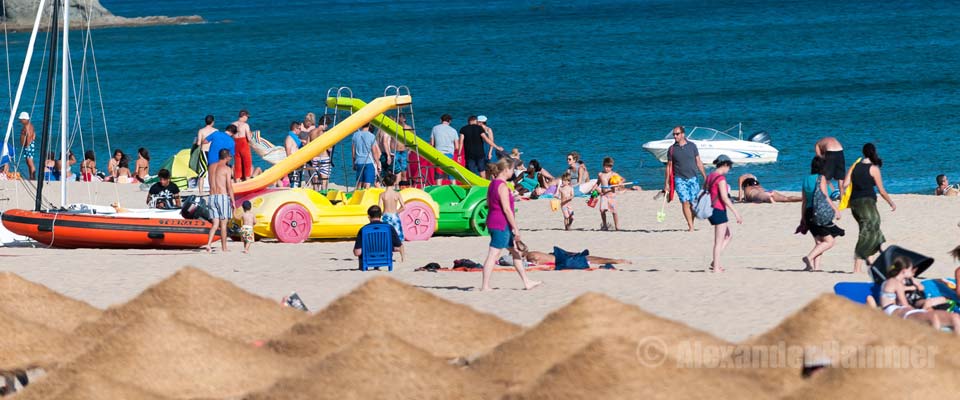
x,y
712,143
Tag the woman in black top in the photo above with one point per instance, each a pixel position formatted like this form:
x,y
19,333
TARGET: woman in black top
x,y
863,203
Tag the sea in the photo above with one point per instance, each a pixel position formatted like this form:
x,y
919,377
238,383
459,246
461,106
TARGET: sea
x,y
599,77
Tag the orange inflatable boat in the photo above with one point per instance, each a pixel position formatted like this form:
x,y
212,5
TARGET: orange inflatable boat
x,y
84,230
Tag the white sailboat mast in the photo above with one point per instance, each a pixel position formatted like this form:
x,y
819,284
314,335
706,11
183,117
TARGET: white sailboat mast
x,y
23,79
64,103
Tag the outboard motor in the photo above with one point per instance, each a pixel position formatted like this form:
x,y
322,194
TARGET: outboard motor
x,y
195,207
760,137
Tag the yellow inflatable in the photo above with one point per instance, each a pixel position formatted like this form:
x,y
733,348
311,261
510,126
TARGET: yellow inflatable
x,y
616,179
845,199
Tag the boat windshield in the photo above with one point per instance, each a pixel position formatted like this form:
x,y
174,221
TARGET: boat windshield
x,y
703,133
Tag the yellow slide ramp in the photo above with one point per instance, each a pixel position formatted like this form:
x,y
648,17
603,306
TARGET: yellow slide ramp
x,y
412,141
328,139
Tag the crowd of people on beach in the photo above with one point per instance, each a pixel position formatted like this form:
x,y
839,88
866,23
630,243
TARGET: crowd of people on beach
x,y
829,181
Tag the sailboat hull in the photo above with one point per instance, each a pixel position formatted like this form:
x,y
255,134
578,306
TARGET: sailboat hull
x,y
74,230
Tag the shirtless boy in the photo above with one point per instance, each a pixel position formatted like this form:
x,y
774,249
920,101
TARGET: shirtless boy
x,y
608,194
392,204
221,198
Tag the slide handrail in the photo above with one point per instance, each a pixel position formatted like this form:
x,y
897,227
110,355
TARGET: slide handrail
x,y
427,151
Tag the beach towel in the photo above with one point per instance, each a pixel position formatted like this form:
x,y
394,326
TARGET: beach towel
x,y
198,161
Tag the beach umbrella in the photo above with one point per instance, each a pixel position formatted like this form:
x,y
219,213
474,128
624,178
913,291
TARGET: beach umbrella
x,y
179,167
878,271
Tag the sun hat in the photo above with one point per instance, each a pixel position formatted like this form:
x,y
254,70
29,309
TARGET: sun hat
x,y
24,115
482,118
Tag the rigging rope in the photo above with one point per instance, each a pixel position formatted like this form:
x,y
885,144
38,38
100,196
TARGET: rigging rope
x,y
6,47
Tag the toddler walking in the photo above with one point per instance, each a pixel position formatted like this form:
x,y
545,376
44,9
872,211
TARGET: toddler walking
x,y
246,230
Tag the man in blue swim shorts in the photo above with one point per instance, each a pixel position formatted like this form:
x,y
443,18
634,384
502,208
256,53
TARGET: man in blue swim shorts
x,y
28,138
683,162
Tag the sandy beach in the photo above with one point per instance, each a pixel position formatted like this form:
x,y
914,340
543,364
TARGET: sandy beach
x,y
763,283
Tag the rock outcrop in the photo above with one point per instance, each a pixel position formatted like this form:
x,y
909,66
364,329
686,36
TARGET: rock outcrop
x,y
20,14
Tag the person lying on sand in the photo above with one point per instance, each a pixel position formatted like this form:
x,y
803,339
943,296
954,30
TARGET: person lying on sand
x,y
893,299
540,258
751,190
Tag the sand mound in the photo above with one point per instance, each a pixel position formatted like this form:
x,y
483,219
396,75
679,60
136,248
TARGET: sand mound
x,y
376,367
205,301
382,304
567,330
885,370
834,325
609,368
39,304
74,385
833,318
159,353
25,345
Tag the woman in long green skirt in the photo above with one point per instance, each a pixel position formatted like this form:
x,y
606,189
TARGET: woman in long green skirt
x,y
864,177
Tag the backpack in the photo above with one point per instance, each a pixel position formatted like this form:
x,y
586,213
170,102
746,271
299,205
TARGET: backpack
x,y
703,207
823,214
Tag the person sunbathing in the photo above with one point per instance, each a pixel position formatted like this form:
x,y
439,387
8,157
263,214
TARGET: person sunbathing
x,y
751,190
893,298
541,258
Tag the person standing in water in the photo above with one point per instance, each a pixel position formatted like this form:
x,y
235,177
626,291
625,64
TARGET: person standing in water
x,y
864,177
243,166
502,224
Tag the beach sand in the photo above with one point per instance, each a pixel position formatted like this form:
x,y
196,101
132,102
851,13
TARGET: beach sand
x,y
763,283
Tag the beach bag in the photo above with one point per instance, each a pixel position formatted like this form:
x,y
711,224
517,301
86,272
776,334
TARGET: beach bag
x,y
703,207
823,214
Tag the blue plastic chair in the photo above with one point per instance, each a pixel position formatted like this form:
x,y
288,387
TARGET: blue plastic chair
x,y
857,291
376,247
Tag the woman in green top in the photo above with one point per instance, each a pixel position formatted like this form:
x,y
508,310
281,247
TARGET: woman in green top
x,y
863,203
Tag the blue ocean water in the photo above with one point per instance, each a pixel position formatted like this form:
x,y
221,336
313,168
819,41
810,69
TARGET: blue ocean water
x,y
600,77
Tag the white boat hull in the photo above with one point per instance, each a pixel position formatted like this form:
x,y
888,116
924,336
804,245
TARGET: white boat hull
x,y
739,151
